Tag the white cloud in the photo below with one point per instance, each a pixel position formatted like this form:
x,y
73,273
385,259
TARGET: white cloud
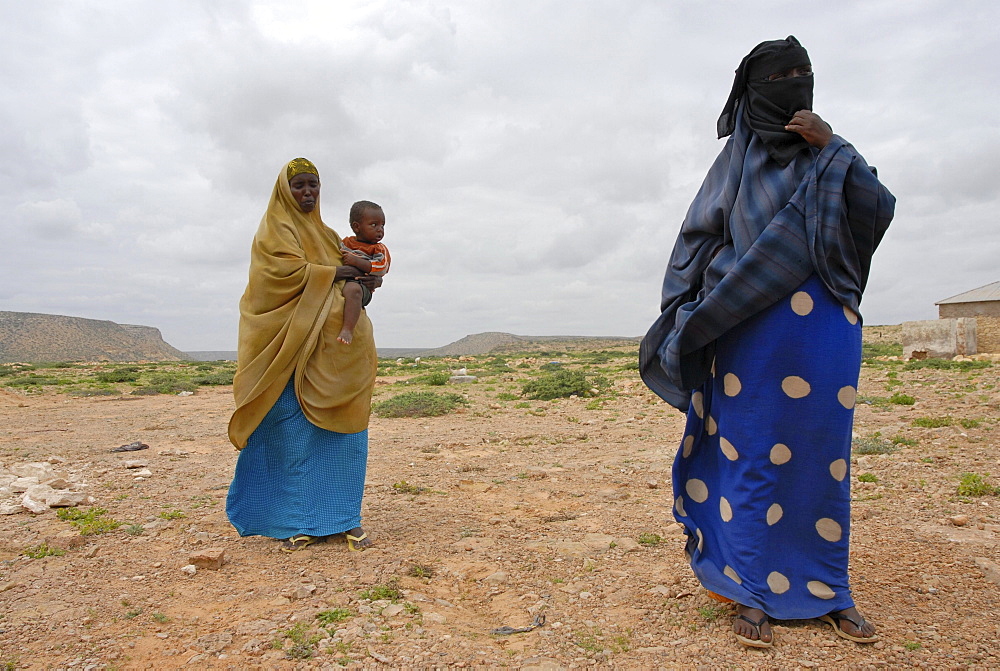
x,y
50,218
534,162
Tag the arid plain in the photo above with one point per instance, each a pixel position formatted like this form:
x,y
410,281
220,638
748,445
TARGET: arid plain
x,y
503,509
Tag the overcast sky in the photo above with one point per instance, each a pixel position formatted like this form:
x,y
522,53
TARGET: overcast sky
x,y
534,159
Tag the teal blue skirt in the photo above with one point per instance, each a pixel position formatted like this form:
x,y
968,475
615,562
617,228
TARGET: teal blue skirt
x,y
296,478
762,477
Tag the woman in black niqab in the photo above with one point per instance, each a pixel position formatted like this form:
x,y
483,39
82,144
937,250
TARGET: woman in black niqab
x,y
759,342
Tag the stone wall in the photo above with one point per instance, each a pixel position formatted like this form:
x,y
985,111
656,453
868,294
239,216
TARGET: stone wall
x,y
988,334
939,338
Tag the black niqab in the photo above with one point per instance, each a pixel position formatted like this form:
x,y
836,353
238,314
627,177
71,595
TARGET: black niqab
x,y
770,105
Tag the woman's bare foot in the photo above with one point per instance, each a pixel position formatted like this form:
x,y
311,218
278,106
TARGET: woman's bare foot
x,y
752,627
345,337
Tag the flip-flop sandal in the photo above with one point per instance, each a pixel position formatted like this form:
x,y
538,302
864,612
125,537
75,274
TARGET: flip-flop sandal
x,y
299,541
354,542
751,642
833,619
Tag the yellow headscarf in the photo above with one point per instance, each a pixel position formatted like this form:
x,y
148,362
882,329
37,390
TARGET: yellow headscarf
x,y
290,316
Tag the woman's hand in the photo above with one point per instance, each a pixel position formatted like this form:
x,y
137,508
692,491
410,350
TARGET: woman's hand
x,y
347,273
811,127
373,282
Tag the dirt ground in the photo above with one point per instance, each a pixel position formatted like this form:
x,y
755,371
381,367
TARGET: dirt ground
x,y
483,518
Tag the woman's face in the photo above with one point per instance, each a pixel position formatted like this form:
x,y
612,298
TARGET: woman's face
x,y
305,190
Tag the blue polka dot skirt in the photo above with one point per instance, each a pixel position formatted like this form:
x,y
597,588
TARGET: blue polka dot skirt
x,y
296,478
762,477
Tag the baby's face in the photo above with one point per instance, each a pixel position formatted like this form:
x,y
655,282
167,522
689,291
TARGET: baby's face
x,y
371,227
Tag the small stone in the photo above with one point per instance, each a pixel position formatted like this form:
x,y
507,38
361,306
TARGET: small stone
x,y
144,473
190,569
33,505
434,618
64,499
21,485
209,558
66,540
496,578
134,463
652,484
393,610
304,591
37,470
541,664
627,545
959,520
990,569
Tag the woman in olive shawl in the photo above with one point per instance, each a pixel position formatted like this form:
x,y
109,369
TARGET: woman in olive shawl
x,y
302,398
759,341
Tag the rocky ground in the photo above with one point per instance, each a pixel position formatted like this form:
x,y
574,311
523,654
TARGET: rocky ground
x,y
486,517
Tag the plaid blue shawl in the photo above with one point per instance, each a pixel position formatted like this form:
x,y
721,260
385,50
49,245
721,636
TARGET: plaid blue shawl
x,y
754,233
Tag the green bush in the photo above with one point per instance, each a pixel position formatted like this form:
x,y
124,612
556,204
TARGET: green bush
x,y
165,383
561,384
933,422
388,592
902,399
43,550
870,350
125,374
418,404
222,377
14,368
972,484
333,616
34,380
873,445
90,522
434,379
945,364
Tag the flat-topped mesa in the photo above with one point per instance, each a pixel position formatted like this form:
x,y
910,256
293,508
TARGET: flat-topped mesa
x,y
33,337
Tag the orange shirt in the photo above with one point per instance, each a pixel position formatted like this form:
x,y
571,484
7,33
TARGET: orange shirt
x,y
376,252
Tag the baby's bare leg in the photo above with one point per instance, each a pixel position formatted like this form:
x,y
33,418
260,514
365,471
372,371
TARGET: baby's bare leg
x,y
352,311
